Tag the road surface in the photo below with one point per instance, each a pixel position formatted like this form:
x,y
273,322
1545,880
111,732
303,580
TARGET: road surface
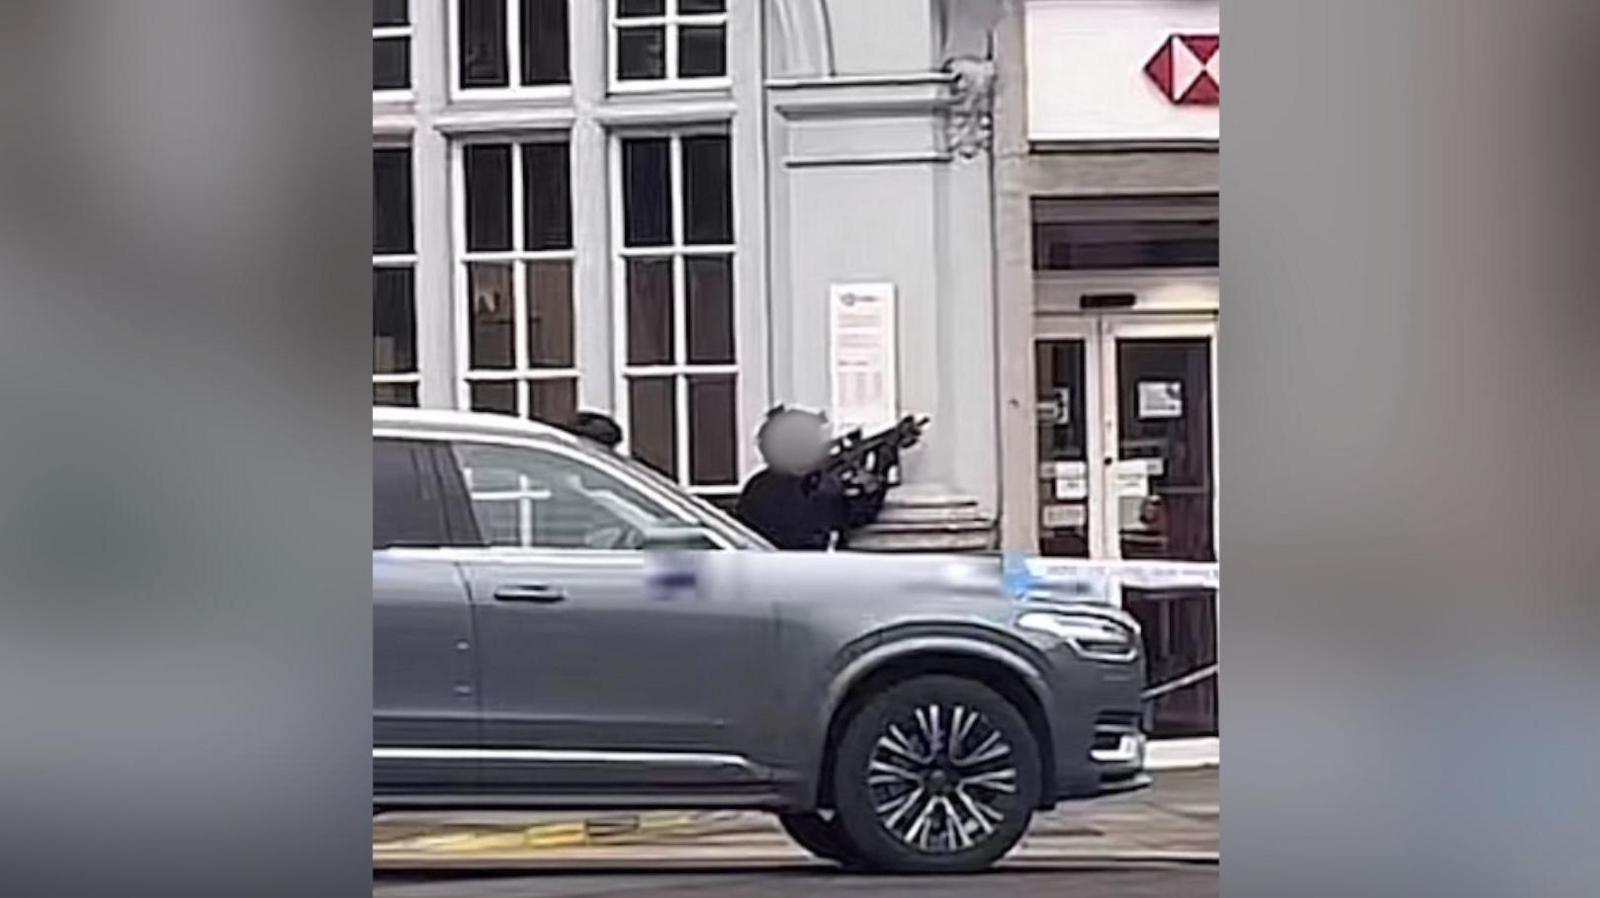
x,y
815,881
1162,841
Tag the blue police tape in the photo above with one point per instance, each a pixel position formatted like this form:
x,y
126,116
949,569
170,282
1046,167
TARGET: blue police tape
x,y
1094,580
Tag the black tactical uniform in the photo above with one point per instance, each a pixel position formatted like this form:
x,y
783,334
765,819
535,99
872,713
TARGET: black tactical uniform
x,y
803,511
798,501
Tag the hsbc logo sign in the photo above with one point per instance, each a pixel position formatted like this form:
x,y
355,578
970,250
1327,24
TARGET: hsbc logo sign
x,y
1187,69
1123,70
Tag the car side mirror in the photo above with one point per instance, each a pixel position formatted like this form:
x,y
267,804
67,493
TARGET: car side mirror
x,y
676,539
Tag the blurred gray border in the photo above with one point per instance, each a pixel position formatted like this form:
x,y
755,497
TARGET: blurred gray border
x,y
1409,410
185,671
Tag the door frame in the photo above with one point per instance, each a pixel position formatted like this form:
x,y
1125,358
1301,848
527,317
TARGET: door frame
x,y
1087,329
1111,328
1099,332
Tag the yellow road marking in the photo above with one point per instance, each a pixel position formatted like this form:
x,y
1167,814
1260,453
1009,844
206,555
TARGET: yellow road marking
x,y
594,831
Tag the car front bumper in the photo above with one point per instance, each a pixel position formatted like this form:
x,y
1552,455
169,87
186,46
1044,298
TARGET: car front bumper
x,y
1096,725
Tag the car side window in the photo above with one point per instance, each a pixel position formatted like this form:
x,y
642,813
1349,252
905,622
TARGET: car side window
x,y
535,498
406,506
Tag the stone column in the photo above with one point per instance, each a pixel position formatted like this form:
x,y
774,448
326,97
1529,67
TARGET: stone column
x,y
880,172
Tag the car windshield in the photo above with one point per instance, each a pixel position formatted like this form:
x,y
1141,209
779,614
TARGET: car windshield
x,y
709,514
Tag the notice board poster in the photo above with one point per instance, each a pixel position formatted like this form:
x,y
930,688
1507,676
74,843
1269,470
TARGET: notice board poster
x,y
862,338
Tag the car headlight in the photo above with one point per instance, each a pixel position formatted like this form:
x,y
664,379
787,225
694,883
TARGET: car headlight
x,y
1096,637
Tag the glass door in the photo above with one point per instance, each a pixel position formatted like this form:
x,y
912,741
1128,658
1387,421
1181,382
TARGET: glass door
x,y
1160,468
1158,474
1067,411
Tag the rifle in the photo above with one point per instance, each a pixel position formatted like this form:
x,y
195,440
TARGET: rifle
x,y
857,461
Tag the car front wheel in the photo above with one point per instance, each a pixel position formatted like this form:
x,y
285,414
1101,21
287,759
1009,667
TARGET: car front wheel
x,y
935,774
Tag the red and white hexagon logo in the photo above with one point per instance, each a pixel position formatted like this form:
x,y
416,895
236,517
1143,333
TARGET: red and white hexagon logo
x,y
1188,69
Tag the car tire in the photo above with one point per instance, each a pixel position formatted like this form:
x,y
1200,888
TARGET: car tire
x,y
819,834
935,774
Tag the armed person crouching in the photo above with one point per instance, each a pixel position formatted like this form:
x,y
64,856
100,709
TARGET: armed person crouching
x,y
814,491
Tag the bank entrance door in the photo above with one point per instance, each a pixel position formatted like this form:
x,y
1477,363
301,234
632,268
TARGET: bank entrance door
x,y
1126,450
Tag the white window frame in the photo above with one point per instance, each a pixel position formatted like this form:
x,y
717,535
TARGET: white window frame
x,y
672,20
514,88
409,261
677,250
521,372
409,32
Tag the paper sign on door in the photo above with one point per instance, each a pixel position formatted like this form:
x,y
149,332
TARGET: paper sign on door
x,y
1065,516
1160,399
1071,479
1070,488
1132,478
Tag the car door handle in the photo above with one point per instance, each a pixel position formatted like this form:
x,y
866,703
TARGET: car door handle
x,y
530,592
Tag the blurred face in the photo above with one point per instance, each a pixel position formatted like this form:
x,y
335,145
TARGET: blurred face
x,y
794,442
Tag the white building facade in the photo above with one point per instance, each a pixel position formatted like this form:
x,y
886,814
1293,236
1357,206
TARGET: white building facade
x,y
683,212
643,207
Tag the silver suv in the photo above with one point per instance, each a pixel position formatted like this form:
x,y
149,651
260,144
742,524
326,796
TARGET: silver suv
x,y
556,626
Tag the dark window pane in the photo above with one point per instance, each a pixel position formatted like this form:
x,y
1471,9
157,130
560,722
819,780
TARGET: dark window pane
x,y
649,311
627,8
395,394
713,444
1180,635
389,12
647,192
544,41
406,510
491,314
391,63
1164,418
488,171
394,336
1062,430
652,422
702,51
708,206
483,43
553,401
1126,244
549,314
692,7
391,200
641,53
709,284
494,396
547,196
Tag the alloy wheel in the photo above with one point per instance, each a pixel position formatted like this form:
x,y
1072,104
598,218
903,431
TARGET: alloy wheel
x,y
941,777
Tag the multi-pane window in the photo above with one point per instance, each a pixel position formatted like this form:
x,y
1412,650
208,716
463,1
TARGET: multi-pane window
x,y
394,262
676,250
668,41
515,277
511,43
391,45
